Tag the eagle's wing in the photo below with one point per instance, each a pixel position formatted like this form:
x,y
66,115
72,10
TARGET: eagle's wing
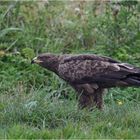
x,y
104,71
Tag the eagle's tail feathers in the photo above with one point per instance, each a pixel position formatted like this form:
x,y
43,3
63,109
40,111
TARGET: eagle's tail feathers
x,y
133,79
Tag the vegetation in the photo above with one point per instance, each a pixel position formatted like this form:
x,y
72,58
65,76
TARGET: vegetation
x,y
35,103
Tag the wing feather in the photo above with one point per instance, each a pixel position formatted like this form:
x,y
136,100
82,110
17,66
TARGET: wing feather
x,y
104,71
89,57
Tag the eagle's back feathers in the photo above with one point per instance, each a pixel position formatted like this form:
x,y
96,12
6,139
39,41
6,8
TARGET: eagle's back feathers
x,y
104,71
89,57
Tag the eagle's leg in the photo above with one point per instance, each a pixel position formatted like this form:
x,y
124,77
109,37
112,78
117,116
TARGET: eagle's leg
x,y
86,101
98,98
88,96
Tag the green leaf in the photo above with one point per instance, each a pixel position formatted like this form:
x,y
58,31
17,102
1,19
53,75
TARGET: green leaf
x,y
7,30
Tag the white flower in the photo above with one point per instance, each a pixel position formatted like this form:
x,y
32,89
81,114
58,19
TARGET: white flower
x,y
109,124
77,9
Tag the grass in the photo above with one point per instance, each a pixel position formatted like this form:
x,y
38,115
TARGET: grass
x,y
36,104
39,115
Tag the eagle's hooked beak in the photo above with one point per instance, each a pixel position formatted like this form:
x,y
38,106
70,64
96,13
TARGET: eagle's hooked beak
x,y
36,60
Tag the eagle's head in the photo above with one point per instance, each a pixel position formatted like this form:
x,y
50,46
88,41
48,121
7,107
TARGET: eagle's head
x,y
46,60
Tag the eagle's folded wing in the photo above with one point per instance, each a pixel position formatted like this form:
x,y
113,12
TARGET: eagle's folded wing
x,y
94,69
90,57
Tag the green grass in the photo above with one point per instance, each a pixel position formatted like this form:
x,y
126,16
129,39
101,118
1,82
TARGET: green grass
x,y
36,104
37,115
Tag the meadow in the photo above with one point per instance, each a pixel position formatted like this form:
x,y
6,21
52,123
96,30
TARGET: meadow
x,y
37,104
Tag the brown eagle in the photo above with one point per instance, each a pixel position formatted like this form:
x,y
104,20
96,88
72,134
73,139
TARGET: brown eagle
x,y
90,74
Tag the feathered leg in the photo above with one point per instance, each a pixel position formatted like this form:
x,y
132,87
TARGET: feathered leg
x,y
98,98
88,96
86,101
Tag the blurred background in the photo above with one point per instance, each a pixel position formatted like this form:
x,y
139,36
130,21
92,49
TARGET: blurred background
x,y
38,99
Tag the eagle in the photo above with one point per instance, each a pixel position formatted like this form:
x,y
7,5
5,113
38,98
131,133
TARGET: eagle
x,y
90,74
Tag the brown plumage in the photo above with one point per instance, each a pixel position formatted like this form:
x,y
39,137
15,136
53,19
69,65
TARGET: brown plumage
x,y
90,74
